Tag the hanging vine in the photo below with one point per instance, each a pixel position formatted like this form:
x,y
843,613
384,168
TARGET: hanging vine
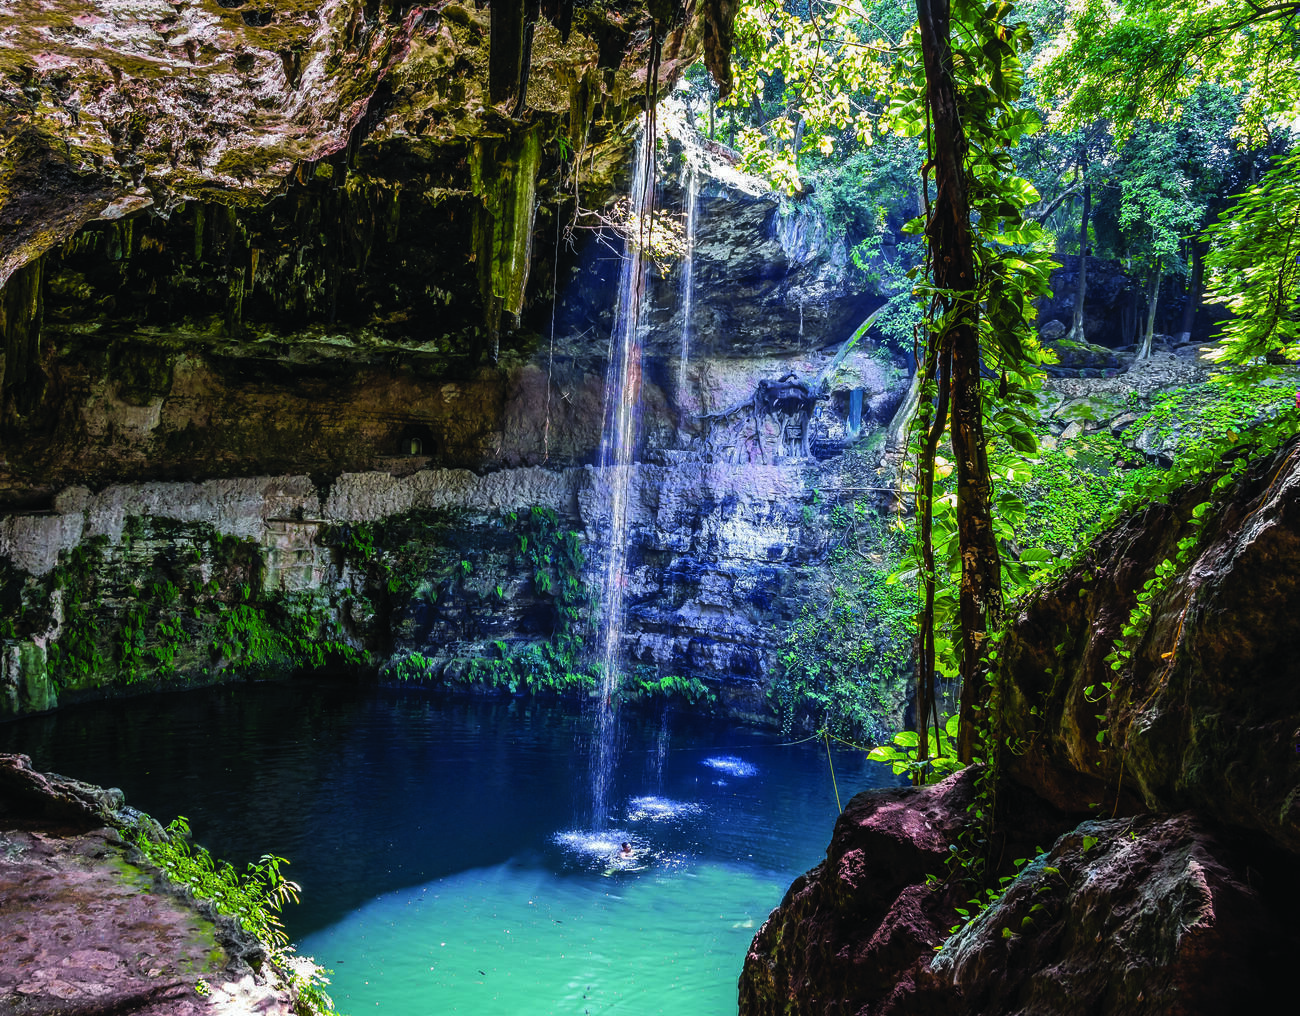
x,y
986,262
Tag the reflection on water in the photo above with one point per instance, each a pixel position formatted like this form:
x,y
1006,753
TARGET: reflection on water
x,y
436,839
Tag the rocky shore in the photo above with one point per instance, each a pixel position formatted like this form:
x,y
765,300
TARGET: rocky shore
x,y
91,928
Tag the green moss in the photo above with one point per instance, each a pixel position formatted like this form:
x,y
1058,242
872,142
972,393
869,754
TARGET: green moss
x,y
504,177
844,663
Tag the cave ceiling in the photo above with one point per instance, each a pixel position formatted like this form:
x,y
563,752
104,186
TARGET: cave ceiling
x,y
336,171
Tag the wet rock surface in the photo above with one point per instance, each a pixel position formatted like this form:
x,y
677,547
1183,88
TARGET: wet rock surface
x,y
90,928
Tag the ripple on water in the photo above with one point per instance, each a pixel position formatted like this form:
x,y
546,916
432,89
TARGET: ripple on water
x,y
731,765
659,809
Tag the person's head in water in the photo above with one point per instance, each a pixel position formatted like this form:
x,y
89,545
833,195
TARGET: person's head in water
x,y
627,850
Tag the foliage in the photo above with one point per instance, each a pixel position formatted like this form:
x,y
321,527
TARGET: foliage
x,y
293,632
899,322
1219,410
868,193
984,268
1138,59
1156,207
254,899
901,755
1069,492
137,614
648,687
76,659
1255,267
805,73
841,663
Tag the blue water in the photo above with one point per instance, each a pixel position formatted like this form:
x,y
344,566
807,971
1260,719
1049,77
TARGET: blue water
x,y
438,846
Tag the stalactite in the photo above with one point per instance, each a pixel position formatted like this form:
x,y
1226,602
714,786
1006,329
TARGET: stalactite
x,y
504,174
719,16
530,26
560,14
21,379
505,59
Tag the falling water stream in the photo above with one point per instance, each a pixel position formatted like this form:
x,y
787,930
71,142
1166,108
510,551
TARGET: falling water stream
x,y
622,402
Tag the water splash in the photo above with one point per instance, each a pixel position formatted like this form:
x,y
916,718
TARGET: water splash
x,y
622,402
653,808
691,193
731,765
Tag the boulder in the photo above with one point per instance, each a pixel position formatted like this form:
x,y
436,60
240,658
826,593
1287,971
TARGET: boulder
x,y
857,931
1125,916
91,927
1205,712
1078,355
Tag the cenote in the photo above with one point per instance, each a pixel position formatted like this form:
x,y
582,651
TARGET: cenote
x,y
441,845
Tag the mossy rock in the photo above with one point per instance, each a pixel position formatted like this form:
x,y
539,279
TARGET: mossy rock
x,y
1083,354
1092,408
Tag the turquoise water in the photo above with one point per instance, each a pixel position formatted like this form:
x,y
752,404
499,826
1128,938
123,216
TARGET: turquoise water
x,y
438,843
514,939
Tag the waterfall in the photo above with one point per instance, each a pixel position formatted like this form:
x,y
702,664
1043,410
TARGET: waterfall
x,y
690,196
622,400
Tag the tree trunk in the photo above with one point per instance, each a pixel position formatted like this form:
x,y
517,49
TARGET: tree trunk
x,y
1194,287
953,260
1153,296
896,432
1081,287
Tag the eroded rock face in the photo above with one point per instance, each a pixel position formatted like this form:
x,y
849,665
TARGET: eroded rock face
x,y
1146,915
1205,714
854,933
1157,914
110,107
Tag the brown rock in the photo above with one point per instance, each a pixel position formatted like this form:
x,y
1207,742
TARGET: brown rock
x,y
860,927
1152,915
89,928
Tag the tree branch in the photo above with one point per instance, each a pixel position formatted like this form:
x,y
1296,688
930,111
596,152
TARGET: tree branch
x,y
1042,216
